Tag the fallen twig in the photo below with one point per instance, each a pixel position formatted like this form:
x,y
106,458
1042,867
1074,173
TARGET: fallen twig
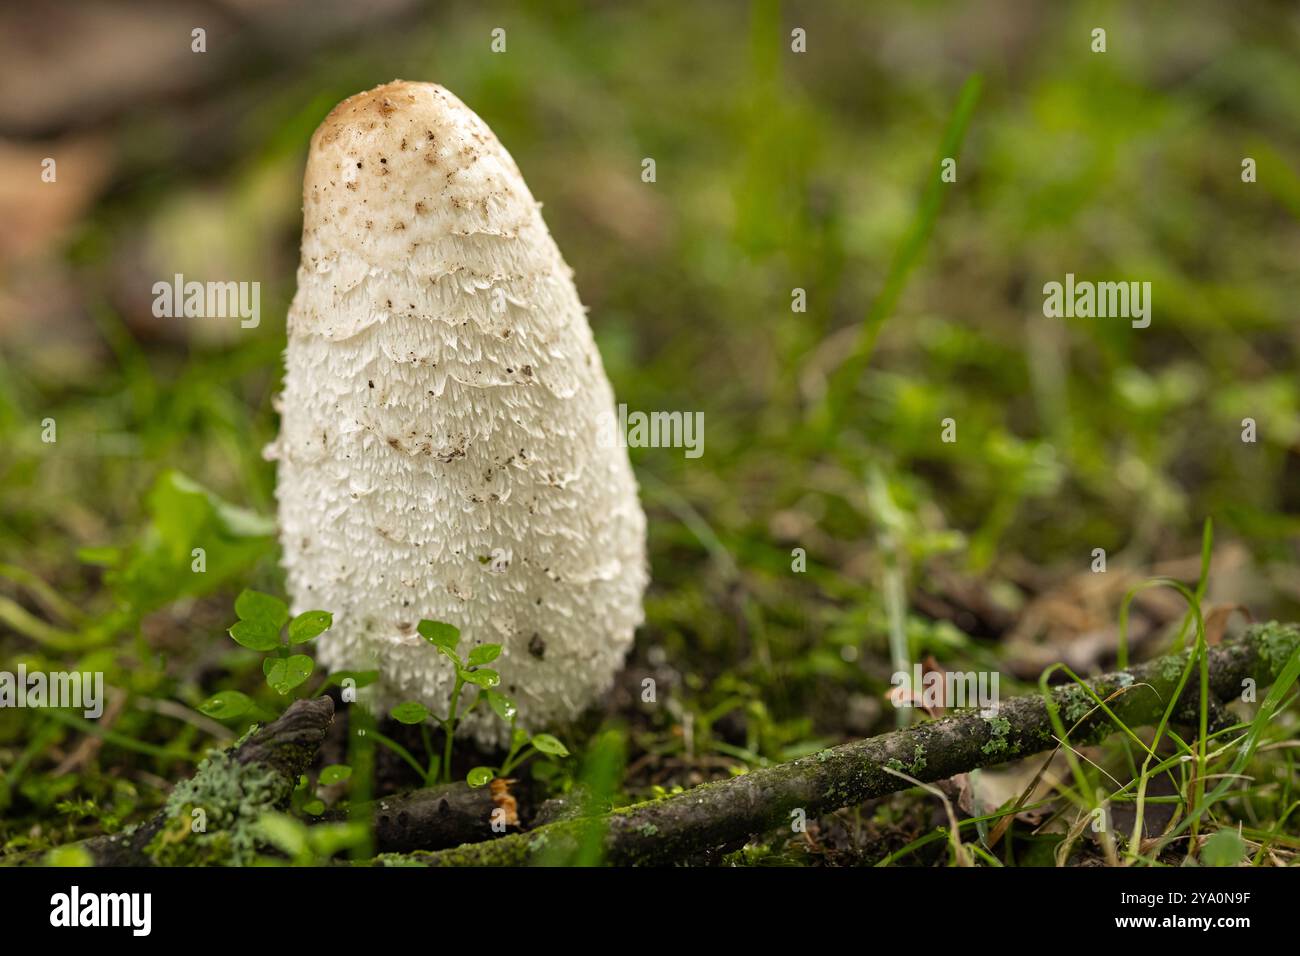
x,y
714,814
434,818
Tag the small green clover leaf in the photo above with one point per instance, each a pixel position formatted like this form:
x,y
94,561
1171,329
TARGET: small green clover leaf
x,y
283,674
227,705
309,625
334,773
264,609
410,712
254,635
440,635
501,705
484,654
484,677
549,745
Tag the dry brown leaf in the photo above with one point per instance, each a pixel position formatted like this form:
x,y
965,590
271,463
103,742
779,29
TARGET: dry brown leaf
x,y
1217,621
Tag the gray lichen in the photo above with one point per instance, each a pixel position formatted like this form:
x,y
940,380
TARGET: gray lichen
x,y
1000,727
1075,703
1172,667
1276,643
918,759
232,797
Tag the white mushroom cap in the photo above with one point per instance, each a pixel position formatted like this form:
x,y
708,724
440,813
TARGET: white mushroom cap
x,y
440,454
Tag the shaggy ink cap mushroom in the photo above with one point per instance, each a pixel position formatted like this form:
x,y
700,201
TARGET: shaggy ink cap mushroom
x,y
440,453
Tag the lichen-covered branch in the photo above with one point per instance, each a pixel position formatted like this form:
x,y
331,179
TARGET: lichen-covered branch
x,y
721,813
211,817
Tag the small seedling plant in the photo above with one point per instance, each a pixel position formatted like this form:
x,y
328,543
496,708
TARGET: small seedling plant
x,y
305,798
262,627
471,671
265,625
